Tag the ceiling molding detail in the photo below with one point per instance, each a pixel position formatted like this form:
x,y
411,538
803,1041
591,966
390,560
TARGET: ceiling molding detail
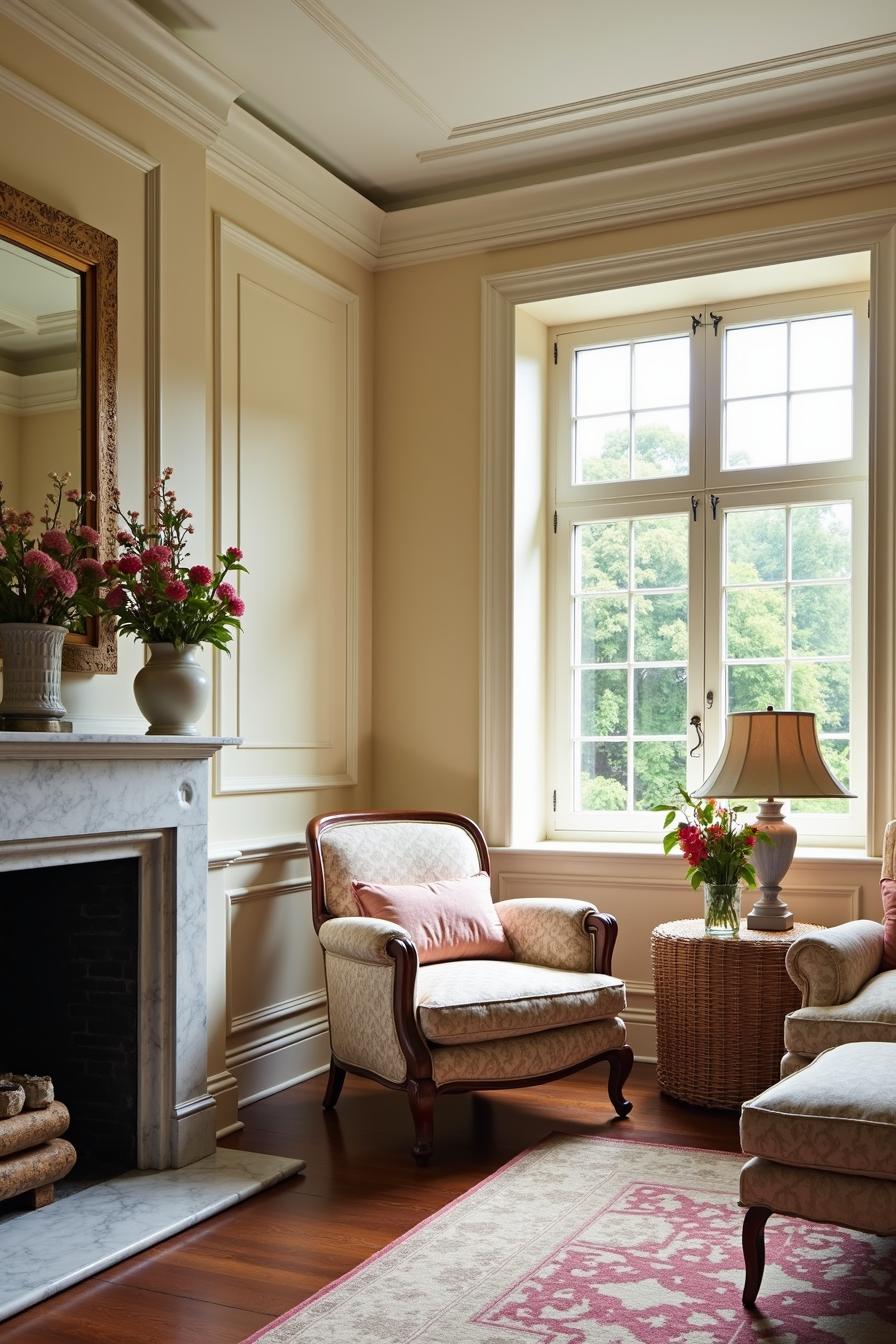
x,y
39,393
366,56
828,65
122,46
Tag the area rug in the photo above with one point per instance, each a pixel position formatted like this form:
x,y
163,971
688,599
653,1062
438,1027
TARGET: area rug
x,y
600,1241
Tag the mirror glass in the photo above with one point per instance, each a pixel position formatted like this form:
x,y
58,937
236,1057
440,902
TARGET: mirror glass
x,y
40,375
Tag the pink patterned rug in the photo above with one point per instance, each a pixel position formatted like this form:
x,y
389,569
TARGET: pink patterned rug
x,y
599,1241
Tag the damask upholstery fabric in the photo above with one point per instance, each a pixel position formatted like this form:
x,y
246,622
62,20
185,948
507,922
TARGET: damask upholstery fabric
x,y
831,966
549,932
392,851
521,1057
888,897
466,1001
360,939
362,1025
869,1016
859,1202
838,1114
446,920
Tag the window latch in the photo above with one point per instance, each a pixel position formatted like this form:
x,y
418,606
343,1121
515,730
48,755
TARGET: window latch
x,y
716,319
695,504
714,501
696,323
697,725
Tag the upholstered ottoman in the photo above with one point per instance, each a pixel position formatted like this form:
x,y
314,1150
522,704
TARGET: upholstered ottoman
x,y
822,1146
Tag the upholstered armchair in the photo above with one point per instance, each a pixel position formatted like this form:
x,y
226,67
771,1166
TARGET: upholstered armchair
x,y
549,1008
846,996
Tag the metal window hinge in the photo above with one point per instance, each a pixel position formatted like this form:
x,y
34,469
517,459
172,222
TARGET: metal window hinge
x,y
554,801
555,352
555,522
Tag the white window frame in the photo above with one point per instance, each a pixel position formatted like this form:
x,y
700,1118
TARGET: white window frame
x,y
576,503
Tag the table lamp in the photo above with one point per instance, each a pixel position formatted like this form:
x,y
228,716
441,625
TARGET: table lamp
x,y
771,755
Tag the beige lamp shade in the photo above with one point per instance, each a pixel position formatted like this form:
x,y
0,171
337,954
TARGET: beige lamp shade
x,y
771,754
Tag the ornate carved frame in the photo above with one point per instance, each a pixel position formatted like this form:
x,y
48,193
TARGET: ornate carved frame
x,y
94,255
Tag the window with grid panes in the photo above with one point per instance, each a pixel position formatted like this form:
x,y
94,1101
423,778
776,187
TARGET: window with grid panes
x,y
709,550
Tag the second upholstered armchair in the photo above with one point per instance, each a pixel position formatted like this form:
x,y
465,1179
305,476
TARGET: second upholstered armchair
x,y
478,995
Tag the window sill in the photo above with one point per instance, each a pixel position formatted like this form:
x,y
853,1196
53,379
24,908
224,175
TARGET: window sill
x,y
624,849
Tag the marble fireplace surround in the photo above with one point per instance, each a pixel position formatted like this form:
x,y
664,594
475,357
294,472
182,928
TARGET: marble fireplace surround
x,y
77,798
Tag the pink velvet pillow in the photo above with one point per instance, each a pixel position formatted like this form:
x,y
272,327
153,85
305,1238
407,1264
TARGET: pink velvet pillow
x,y
888,896
446,920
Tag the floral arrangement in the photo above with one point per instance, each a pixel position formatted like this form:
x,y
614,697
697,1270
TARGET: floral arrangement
x,y
717,847
155,594
53,579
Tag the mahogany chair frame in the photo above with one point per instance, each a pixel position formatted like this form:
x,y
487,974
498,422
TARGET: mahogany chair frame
x,y
419,1083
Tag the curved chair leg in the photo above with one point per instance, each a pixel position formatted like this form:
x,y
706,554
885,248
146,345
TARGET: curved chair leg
x,y
334,1085
422,1096
754,1251
621,1062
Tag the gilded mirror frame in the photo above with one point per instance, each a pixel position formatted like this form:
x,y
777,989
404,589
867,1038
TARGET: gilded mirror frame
x,y
51,233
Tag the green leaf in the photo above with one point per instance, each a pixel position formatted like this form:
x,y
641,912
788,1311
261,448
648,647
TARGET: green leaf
x,y
670,841
669,818
696,880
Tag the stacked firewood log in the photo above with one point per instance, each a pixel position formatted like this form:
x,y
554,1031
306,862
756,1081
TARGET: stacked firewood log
x,y
32,1155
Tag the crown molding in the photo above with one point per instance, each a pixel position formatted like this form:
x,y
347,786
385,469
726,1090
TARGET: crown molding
x,y
39,393
120,44
258,160
830,158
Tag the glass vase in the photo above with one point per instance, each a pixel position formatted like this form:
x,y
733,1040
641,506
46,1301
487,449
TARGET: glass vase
x,y
721,909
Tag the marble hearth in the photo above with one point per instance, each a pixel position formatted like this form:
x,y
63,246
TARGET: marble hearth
x,y
75,798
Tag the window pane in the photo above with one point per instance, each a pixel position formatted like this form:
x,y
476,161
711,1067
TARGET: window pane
x,y
603,633
820,620
602,449
603,777
659,768
602,555
823,690
661,628
756,623
755,686
603,380
604,703
821,541
756,360
661,551
821,352
756,433
661,443
820,426
660,695
662,373
756,545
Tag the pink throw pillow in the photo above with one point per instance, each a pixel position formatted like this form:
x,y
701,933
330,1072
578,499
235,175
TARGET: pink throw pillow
x,y
888,896
446,920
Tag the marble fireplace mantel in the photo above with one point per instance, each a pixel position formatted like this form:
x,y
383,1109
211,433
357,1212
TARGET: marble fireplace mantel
x,y
79,798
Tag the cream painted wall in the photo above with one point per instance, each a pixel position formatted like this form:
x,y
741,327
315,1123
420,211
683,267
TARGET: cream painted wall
x,y
49,442
9,458
427,583
266,1023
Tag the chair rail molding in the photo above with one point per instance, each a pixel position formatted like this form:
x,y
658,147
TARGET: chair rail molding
x,y
872,230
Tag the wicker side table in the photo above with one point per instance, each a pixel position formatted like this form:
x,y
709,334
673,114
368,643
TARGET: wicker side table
x,y
720,1009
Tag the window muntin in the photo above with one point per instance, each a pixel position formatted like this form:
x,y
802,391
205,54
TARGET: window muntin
x,y
800,665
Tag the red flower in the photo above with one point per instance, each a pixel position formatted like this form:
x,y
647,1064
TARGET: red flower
x,y
234,553
177,591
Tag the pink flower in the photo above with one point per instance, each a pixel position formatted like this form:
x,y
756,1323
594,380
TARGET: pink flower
x,y
225,591
72,496
125,538
88,534
110,567
157,555
236,606
87,565
39,560
129,564
749,841
56,540
115,598
177,591
65,581
2,551
202,575
234,553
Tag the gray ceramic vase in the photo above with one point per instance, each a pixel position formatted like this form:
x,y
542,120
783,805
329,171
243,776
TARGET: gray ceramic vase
x,y
172,690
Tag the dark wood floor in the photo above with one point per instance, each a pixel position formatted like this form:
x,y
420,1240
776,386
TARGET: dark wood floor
x,y
231,1275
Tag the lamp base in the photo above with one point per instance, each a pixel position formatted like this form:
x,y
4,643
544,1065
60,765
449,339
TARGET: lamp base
x,y
771,861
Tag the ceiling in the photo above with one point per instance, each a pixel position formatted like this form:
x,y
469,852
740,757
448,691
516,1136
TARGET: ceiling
x,y
38,305
420,100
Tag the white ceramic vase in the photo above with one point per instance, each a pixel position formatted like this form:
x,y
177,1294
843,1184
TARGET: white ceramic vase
x,y
172,689
32,675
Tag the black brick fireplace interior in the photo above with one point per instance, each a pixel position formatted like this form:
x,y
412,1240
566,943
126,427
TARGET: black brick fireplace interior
x,y
69,959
